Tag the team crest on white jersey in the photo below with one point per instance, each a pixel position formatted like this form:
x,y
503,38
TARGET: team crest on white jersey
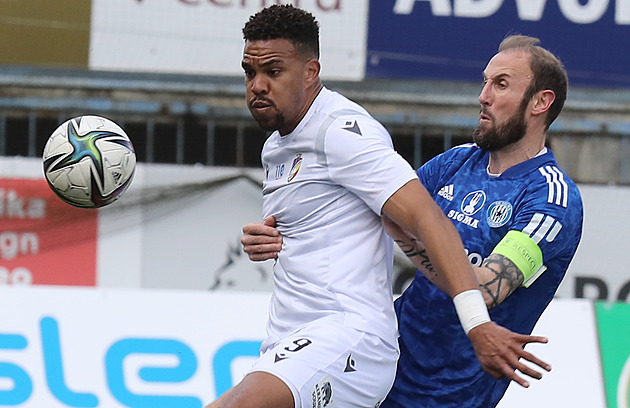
x,y
473,202
499,213
447,192
295,167
322,393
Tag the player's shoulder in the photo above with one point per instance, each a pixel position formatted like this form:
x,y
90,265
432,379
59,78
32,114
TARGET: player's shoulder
x,y
550,209
553,181
455,157
550,191
339,115
551,173
338,107
463,151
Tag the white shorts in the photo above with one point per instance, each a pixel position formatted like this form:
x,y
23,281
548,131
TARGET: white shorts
x,y
328,365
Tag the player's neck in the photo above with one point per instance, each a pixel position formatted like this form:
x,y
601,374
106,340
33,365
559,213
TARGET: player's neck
x,y
513,154
311,95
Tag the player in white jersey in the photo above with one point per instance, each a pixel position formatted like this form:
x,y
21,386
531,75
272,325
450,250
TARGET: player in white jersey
x,y
331,172
325,183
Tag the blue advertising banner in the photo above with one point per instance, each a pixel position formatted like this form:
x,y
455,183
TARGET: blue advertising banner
x,y
454,39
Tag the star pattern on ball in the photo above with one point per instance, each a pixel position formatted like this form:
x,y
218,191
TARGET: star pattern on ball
x,y
85,146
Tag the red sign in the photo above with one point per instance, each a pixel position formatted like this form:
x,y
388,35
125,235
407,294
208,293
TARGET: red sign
x,y
44,241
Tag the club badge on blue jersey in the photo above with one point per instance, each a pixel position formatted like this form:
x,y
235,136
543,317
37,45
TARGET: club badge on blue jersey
x,y
499,213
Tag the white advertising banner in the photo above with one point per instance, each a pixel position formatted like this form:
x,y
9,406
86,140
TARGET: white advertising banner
x,y
575,379
114,348
87,347
205,37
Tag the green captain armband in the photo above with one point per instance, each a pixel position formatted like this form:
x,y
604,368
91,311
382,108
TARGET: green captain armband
x,y
524,253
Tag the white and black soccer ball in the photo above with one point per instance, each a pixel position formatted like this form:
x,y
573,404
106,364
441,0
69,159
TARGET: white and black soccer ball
x,y
89,161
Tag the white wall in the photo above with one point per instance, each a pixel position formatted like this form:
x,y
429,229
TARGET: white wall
x,y
179,227
174,229
601,254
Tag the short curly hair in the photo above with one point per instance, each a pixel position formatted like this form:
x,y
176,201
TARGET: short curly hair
x,y
285,22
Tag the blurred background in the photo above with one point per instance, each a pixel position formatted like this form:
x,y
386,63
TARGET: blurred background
x,y
168,72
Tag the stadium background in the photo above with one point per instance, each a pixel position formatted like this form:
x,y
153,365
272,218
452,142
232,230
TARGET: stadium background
x,y
92,300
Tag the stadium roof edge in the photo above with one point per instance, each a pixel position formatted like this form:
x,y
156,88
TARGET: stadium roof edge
x,y
386,90
586,110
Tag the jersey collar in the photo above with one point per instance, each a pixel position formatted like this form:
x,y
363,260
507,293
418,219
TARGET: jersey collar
x,y
545,156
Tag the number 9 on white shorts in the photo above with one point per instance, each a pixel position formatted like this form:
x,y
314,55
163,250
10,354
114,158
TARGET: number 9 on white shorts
x,y
327,365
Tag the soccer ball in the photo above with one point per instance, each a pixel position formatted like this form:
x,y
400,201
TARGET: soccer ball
x,y
89,161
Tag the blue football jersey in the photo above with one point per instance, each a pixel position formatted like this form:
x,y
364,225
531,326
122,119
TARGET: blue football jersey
x,y
438,366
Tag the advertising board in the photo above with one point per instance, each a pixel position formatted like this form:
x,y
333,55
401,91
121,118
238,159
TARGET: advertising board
x,y
454,39
115,348
205,37
44,241
87,347
613,321
575,379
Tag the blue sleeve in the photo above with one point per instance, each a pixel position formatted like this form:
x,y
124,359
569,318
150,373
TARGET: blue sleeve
x,y
443,166
429,175
551,214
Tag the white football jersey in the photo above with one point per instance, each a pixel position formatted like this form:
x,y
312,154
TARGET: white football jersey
x,y
325,184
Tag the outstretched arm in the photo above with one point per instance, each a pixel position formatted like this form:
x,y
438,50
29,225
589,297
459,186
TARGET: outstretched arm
x,y
413,210
498,276
498,349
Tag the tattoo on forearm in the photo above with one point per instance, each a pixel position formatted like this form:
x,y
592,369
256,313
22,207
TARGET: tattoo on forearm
x,y
411,250
506,274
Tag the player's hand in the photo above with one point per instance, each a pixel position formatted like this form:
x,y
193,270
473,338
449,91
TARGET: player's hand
x,y
499,351
261,241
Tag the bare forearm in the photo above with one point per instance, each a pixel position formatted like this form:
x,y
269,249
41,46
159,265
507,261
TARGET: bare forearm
x,y
420,258
413,209
498,277
454,268
415,251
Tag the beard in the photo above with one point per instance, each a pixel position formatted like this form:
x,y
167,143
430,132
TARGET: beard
x,y
270,120
497,137
271,123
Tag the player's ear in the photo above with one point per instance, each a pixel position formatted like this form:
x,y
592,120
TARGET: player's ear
x,y
543,101
311,71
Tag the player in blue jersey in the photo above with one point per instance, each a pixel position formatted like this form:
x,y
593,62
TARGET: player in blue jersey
x,y
519,217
